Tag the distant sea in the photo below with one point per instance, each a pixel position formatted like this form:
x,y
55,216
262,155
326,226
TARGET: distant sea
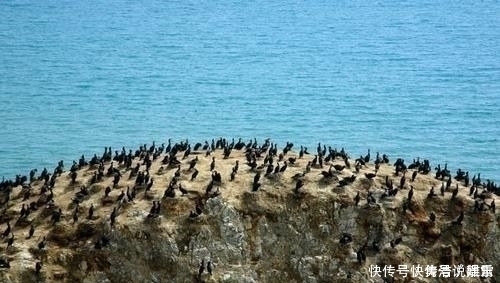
x,y
407,78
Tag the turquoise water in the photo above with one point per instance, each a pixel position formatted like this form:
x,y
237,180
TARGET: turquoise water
x,y
407,78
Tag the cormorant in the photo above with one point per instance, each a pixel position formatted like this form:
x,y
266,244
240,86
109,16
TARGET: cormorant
x,y
356,199
202,268
432,217
459,219
31,231
38,267
209,267
396,241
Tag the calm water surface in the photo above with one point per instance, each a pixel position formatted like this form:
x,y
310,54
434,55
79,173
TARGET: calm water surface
x,y
408,78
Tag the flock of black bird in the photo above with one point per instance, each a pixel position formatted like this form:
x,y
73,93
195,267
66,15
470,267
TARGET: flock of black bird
x,y
274,164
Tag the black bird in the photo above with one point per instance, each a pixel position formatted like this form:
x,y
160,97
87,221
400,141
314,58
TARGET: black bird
x,y
91,212
152,210
298,185
370,198
308,167
410,194
177,173
212,165
198,209
183,191
454,193
256,186
277,168
360,255
31,231
236,166
38,267
195,173
402,182
471,191
7,230
193,162
4,263
22,212
10,242
233,175
432,217
121,196
113,216
367,157
209,267
284,167
56,216
370,176
347,163
396,241
292,160
327,174
431,193
256,178
339,168
75,215
356,199
107,191
150,185
202,268
346,238
459,219
41,244
414,175
269,170
157,208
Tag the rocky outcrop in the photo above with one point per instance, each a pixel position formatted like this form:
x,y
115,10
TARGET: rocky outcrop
x,y
271,235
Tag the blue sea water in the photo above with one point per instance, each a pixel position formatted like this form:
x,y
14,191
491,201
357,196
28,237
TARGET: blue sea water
x,y
408,78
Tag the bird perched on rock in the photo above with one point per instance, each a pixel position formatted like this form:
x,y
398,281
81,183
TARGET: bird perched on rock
x,y
410,194
396,241
209,267
360,256
299,185
370,176
107,191
459,219
113,216
41,244
195,173
356,199
31,231
91,212
10,242
183,191
255,187
202,268
454,193
432,217
346,238
7,230
38,267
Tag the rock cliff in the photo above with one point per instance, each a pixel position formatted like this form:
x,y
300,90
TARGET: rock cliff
x,y
315,234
